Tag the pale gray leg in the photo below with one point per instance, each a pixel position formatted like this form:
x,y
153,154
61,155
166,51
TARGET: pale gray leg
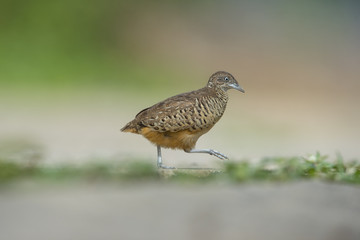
x,y
159,160
208,151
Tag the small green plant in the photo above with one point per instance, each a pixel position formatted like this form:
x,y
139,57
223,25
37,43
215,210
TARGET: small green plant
x,y
275,169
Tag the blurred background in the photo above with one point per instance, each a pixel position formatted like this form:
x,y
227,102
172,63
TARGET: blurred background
x,y
72,73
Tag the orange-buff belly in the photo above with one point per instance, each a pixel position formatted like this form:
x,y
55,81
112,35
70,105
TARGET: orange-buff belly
x,y
185,140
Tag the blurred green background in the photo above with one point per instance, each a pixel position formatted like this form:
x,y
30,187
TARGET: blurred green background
x,y
72,73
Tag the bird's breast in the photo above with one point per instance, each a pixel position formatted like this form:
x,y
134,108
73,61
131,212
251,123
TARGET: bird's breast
x,y
207,111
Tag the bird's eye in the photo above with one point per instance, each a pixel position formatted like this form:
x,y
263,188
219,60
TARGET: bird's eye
x,y
226,79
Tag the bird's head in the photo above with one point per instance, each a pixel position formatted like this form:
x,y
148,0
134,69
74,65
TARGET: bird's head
x,y
224,81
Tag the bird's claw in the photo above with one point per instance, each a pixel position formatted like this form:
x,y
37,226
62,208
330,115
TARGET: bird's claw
x,y
165,167
218,154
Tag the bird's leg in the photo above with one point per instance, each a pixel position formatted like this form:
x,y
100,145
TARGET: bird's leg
x,y
208,151
159,160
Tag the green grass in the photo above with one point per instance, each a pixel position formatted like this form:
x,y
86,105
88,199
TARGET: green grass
x,y
276,169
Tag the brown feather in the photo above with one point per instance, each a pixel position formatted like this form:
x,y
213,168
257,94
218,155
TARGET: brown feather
x,y
178,122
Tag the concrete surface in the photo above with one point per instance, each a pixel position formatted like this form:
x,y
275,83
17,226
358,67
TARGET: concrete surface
x,y
296,211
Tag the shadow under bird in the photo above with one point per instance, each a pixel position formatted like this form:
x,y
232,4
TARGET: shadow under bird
x,y
179,121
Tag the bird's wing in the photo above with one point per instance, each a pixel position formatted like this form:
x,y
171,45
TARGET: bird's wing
x,y
173,114
191,111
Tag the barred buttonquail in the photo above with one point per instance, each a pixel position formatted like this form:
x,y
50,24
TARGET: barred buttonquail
x,y
179,121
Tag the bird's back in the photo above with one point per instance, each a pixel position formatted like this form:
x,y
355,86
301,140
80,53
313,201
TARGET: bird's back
x,y
192,111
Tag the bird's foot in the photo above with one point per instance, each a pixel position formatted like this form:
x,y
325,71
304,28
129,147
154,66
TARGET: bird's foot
x,y
218,154
208,151
165,167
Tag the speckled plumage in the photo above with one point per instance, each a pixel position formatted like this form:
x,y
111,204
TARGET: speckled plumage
x,y
191,111
178,122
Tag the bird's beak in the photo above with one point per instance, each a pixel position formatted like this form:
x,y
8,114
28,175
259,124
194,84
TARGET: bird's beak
x,y
237,87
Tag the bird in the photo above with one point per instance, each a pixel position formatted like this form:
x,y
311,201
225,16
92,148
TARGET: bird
x,y
179,121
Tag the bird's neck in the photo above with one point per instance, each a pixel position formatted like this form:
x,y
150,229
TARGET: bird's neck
x,y
220,93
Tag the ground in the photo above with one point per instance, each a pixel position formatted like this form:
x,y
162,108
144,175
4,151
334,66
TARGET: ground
x,y
299,210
